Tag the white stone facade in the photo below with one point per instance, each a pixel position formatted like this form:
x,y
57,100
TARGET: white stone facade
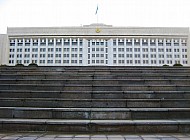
x,y
98,45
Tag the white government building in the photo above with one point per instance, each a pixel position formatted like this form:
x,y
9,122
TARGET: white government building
x,y
95,45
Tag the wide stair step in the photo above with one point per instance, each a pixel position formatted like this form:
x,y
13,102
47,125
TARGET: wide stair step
x,y
95,113
95,99
94,126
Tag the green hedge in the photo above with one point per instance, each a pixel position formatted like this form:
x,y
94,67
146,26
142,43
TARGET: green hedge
x,y
19,65
165,65
177,65
32,65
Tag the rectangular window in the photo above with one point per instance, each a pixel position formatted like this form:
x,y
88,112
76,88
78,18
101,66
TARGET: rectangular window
x,y
152,44
57,61
136,43
58,55
137,49
42,49
58,49
50,55
35,42
176,44
144,43
58,42
66,42
184,44
129,43
50,42
65,61
66,49
93,43
120,49
81,43
50,61
120,43
114,42
34,49
74,42
42,42
168,44
27,49
50,49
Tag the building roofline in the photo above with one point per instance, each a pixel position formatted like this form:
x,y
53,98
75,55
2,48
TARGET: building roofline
x,y
91,30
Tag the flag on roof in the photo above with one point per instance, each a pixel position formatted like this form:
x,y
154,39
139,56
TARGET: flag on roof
x,y
96,10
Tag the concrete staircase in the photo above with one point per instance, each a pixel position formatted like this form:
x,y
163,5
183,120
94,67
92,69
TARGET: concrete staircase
x,y
95,99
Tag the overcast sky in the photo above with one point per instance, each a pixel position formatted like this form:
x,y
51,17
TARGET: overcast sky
x,y
45,13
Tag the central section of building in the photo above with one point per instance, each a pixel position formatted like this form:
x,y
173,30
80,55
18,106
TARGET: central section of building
x,y
98,45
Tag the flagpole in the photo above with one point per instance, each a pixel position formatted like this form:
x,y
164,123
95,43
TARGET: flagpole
x,y
97,18
97,13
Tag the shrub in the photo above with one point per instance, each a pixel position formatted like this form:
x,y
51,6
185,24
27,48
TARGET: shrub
x,y
177,65
4,65
165,65
33,65
19,65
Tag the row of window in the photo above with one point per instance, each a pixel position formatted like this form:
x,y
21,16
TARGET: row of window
x,y
93,43
147,62
44,42
146,42
46,49
147,50
98,55
147,56
44,55
97,50
97,61
47,61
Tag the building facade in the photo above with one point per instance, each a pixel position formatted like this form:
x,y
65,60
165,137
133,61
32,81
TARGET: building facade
x,y
96,45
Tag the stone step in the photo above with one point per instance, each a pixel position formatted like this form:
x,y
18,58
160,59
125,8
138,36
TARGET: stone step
x,y
95,87
101,73
95,76
95,113
95,94
94,126
99,103
97,81
96,68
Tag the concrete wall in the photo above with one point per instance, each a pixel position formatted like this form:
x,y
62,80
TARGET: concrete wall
x,y
188,50
4,54
104,30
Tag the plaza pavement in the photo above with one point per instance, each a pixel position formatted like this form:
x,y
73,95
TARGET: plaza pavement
x,y
61,136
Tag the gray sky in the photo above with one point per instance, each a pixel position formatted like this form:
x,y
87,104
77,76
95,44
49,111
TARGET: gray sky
x,y
39,13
